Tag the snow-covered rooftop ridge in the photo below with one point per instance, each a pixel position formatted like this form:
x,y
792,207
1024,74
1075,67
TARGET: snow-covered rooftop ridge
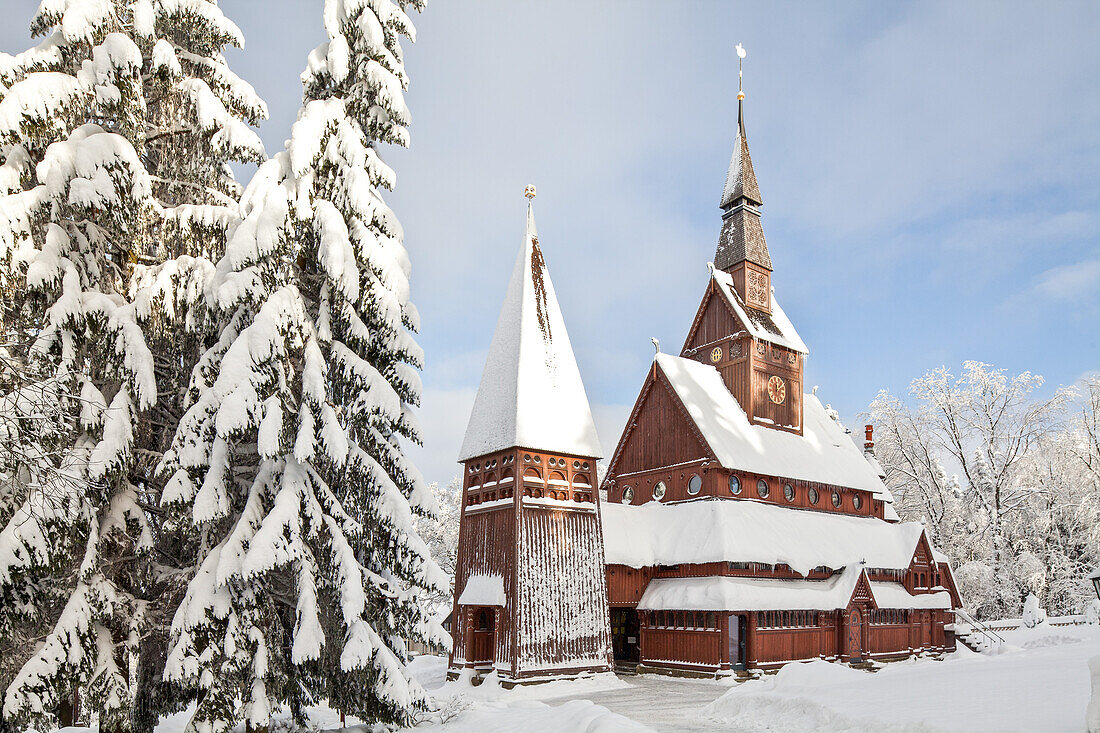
x,y
743,530
823,453
531,394
725,593
784,333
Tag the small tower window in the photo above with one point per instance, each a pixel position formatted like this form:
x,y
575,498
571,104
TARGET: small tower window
x,y
659,490
836,498
812,493
762,489
788,492
628,495
735,484
857,501
695,484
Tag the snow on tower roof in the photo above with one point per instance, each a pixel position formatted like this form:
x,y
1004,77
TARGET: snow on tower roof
x,y
823,453
743,530
531,393
741,178
775,328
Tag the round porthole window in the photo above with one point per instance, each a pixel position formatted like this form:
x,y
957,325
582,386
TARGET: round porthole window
x,y
576,464
812,493
836,498
695,484
788,492
527,459
762,489
857,501
628,495
659,490
585,465
735,484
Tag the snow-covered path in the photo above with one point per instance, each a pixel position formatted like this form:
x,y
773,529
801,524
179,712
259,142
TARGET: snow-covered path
x,y
665,703
1039,683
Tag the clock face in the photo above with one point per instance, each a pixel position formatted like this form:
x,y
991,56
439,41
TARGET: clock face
x,y
777,390
716,354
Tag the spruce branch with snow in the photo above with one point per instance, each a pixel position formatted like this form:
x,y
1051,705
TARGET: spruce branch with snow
x,y
288,459
116,131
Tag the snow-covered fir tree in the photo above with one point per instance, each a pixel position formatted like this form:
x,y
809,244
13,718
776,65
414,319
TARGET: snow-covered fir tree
x,y
115,196
288,459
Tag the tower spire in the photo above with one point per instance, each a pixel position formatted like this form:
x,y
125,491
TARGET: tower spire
x,y
741,242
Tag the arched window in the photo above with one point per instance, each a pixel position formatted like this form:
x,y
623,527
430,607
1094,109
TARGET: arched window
x,y
735,485
695,484
557,478
762,489
628,495
532,474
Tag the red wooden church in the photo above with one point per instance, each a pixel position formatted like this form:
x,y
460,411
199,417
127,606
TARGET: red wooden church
x,y
741,528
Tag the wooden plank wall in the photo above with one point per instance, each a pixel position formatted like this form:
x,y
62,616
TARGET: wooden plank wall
x,y
563,617
487,546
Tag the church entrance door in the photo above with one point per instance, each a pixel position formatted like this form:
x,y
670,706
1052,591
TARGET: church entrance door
x,y
481,641
855,636
624,634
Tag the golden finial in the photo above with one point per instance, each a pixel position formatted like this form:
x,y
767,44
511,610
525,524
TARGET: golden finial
x,y
529,192
740,57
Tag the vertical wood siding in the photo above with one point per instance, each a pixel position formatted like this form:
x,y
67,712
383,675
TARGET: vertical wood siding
x,y
563,618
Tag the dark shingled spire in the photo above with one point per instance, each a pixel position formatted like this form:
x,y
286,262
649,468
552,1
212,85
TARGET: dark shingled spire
x,y
742,236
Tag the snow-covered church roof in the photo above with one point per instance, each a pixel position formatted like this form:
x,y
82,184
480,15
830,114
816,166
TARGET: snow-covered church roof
x,y
743,530
823,453
774,328
531,393
725,593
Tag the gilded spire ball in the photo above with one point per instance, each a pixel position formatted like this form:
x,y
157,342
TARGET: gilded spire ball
x,y
529,192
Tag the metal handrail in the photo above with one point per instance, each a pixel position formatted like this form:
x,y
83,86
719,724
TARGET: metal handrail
x,y
983,629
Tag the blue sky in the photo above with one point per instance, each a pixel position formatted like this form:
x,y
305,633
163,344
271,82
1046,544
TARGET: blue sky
x,y
930,175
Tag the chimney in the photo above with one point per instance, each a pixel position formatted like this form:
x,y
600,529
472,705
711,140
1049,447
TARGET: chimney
x,y
868,439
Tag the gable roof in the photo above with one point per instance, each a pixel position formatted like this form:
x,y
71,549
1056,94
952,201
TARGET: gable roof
x,y
531,394
823,453
775,328
744,530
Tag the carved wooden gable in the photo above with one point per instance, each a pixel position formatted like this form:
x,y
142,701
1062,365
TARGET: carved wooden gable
x,y
861,594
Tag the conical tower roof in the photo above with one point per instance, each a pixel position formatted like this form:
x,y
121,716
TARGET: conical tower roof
x,y
531,393
742,236
741,178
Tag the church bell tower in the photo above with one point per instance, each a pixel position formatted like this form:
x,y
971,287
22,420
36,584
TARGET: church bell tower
x,y
530,589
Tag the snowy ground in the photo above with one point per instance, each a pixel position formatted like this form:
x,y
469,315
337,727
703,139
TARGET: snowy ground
x,y
1039,683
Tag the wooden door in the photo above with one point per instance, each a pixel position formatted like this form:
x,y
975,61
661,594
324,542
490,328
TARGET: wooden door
x,y
481,643
926,628
738,630
855,635
624,634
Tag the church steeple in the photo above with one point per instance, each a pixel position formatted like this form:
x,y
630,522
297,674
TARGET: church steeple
x,y
742,250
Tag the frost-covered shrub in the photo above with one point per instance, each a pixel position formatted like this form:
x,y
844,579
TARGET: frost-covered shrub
x,y
1034,615
1092,612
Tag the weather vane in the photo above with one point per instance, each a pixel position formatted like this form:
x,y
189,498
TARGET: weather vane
x,y
529,192
740,58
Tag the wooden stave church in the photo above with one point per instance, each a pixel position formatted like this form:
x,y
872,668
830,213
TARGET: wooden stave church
x,y
528,608
689,439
